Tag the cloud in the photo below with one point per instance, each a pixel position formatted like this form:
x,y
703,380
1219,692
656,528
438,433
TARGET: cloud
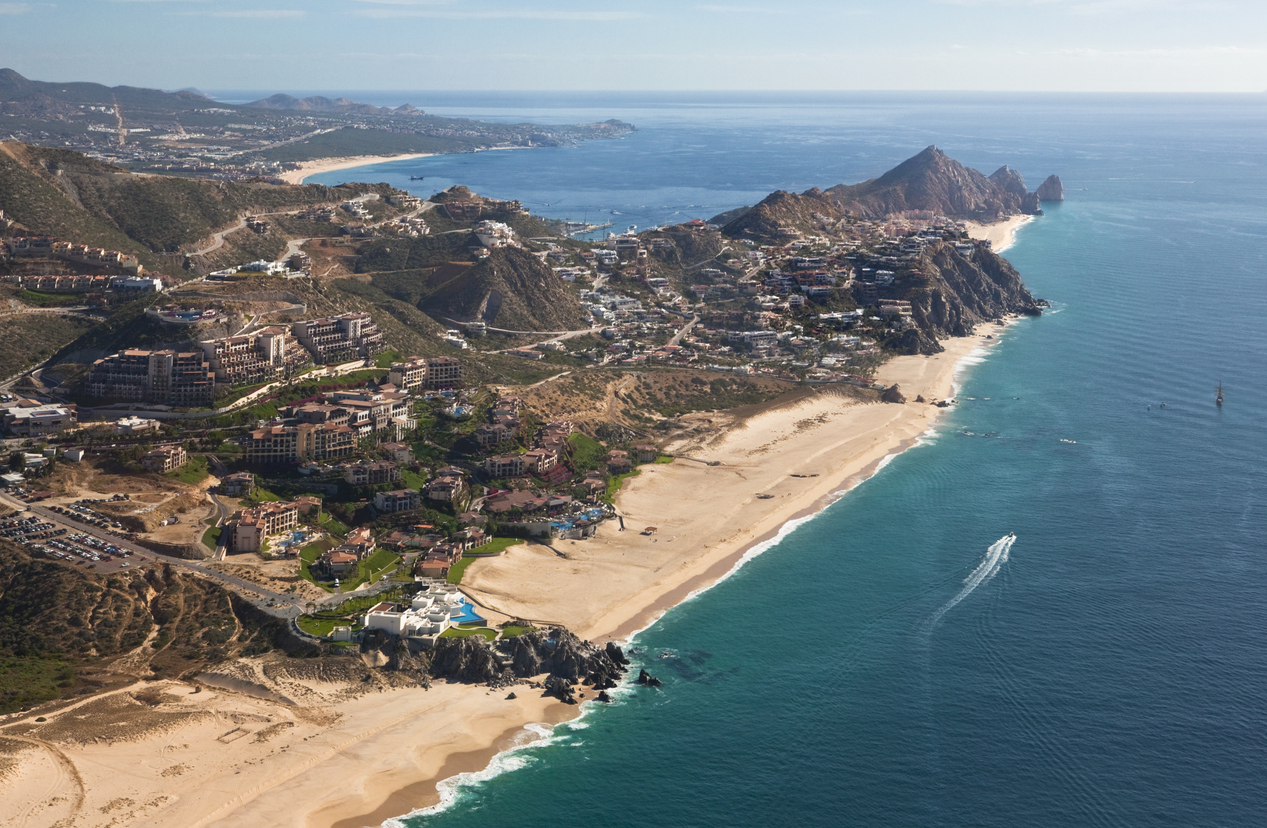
x,y
406,8
1182,53
1097,6
14,8
256,14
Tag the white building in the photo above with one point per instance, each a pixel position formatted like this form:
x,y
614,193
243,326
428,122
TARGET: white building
x,y
429,613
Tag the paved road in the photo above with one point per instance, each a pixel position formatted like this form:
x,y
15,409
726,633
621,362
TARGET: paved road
x,y
283,605
677,337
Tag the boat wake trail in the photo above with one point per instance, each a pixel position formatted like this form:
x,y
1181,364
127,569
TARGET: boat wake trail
x,y
994,559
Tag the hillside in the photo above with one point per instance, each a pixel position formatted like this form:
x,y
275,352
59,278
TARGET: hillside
x,y
32,96
935,182
510,289
69,196
808,212
64,630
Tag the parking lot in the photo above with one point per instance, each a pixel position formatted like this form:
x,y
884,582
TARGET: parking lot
x,y
44,537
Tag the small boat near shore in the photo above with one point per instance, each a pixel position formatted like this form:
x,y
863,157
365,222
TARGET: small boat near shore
x,y
1219,399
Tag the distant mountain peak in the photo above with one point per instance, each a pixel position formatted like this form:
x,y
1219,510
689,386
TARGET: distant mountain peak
x,y
320,103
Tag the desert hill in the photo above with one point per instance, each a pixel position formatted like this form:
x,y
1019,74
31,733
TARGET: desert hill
x,y
69,196
935,182
510,289
930,181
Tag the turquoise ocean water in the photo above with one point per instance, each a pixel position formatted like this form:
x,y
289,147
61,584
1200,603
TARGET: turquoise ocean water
x,y
1109,667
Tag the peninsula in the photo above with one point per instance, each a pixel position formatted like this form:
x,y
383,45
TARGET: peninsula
x,y
310,483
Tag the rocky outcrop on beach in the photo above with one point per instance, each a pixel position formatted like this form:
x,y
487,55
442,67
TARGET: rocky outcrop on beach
x,y
565,657
893,394
1051,190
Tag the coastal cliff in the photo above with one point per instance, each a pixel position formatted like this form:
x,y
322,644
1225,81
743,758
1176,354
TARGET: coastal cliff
x,y
959,292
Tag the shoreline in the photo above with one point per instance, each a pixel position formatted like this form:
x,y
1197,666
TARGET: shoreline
x,y
326,165
399,749
1000,234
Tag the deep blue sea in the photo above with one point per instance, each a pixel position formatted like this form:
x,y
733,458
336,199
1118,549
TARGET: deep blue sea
x,y
889,662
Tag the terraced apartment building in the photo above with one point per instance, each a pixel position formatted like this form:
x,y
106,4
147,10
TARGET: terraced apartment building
x,y
418,373
261,356
178,378
340,338
278,444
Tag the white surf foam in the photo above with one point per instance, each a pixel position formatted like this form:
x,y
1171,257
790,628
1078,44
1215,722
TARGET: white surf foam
x,y
994,558
536,734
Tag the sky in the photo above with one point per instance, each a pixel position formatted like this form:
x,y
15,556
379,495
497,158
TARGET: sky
x,y
300,45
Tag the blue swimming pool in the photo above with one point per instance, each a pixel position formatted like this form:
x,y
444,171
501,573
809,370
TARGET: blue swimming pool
x,y
468,615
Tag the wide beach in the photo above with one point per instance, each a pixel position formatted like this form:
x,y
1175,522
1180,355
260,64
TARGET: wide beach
x,y
220,757
328,165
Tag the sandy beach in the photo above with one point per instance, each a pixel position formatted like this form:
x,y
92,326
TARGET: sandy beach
x,y
310,750
1000,234
325,165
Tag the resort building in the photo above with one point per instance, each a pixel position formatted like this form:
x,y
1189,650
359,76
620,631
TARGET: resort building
x,y
170,377
417,373
165,459
371,474
372,412
399,452
506,465
448,485
490,434
401,500
258,357
31,418
340,338
240,484
306,441
250,527
541,460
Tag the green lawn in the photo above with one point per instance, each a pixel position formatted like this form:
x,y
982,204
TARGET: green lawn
x,y
664,459
51,300
320,627
614,484
458,569
369,569
494,547
513,631
262,495
308,555
457,632
332,524
193,472
411,479
211,537
587,453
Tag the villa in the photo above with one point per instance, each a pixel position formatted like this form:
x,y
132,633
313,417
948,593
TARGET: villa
x,y
428,614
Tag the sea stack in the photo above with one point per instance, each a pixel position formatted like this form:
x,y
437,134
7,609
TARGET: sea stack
x,y
1051,189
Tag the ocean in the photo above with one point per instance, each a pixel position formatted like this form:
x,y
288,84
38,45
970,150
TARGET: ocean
x,y
897,659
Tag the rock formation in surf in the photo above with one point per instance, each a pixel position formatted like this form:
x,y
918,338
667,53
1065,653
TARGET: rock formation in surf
x,y
1051,189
